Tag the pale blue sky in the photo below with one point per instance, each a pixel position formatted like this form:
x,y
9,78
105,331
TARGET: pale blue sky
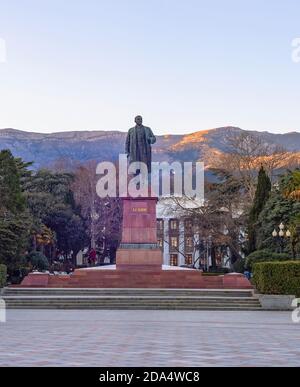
x,y
185,65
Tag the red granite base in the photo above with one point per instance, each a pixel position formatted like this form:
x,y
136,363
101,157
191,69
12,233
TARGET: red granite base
x,y
139,261
164,279
139,220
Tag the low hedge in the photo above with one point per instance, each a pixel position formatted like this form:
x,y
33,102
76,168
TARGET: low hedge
x,y
264,256
277,277
3,275
38,261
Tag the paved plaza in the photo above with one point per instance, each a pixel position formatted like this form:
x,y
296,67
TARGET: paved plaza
x,y
148,338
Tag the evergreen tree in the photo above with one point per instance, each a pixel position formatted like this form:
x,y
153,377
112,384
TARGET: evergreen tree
x,y
12,199
262,194
51,203
14,221
284,208
290,185
277,209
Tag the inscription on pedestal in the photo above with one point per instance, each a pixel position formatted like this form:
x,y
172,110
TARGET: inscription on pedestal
x,y
139,249
139,210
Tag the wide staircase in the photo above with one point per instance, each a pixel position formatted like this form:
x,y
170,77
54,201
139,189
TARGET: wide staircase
x,y
130,299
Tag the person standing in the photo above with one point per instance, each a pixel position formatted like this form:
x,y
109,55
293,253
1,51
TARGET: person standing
x,y
93,257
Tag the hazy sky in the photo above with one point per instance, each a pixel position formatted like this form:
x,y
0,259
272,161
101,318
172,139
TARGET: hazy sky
x,y
185,65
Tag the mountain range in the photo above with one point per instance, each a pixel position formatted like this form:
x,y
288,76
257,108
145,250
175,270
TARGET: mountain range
x,y
45,150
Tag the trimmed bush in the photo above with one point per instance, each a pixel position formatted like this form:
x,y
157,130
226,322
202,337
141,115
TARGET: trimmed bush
x,y
239,266
3,275
264,256
17,276
277,277
38,261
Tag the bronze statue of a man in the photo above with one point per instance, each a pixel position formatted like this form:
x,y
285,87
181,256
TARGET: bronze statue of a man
x,y
138,143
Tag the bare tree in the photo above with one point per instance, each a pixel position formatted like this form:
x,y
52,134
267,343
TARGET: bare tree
x,y
221,219
245,155
103,216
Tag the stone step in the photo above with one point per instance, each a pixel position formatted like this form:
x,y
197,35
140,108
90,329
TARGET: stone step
x,y
143,299
126,292
154,296
130,301
135,307
129,305
139,297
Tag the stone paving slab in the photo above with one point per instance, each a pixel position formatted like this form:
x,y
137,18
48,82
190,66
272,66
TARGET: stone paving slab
x,y
148,338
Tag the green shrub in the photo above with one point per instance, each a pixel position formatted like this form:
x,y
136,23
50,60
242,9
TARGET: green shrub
x,y
3,275
264,256
38,261
277,277
17,276
239,266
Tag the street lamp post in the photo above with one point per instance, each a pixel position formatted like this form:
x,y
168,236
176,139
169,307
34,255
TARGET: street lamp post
x,y
103,243
208,251
281,235
94,217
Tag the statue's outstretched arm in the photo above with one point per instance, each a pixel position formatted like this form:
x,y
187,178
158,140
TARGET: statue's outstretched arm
x,y
151,137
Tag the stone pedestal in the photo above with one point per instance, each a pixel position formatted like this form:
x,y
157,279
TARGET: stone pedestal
x,y
139,261
139,249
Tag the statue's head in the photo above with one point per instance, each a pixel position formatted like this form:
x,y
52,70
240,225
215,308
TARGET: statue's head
x,y
138,120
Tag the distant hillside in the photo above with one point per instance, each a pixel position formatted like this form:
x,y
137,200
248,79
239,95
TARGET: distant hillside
x,y
79,147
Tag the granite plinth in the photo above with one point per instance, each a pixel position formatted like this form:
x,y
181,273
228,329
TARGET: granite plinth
x,y
138,262
167,278
139,250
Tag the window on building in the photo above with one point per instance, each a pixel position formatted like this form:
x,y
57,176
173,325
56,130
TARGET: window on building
x,y
174,224
189,242
188,225
174,242
160,243
174,260
189,259
160,224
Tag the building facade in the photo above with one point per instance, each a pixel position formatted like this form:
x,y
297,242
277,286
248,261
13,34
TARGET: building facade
x,y
182,243
177,241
